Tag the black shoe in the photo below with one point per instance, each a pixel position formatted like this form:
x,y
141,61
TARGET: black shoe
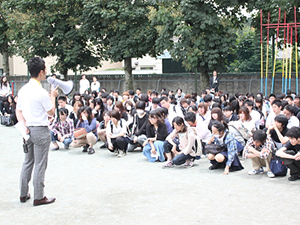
x,y
103,146
91,151
214,166
85,148
293,177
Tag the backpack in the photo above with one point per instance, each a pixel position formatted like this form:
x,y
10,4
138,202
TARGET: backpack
x,y
197,148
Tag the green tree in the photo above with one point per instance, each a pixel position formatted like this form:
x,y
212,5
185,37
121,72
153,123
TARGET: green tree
x,y
51,28
198,32
121,30
246,52
5,49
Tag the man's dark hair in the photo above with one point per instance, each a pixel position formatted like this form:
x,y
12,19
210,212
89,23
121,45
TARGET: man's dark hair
x,y
282,119
139,89
207,98
144,98
63,111
249,102
116,91
272,95
259,135
164,93
104,95
155,100
111,98
293,132
290,108
131,92
190,116
227,108
154,93
277,102
140,105
62,97
290,97
35,65
164,98
297,96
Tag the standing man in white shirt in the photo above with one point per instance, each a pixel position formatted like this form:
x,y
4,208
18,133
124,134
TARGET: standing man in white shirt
x,y
33,107
84,84
95,85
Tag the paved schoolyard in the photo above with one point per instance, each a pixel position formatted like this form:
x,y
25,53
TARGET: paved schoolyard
x,y
103,189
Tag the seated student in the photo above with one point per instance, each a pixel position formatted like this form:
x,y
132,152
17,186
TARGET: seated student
x,y
156,132
120,107
101,129
62,103
227,159
199,126
276,110
259,149
217,115
87,121
173,110
62,130
255,115
183,148
184,105
228,112
163,112
116,134
278,130
10,109
204,113
290,153
110,103
140,120
289,112
155,104
98,110
74,114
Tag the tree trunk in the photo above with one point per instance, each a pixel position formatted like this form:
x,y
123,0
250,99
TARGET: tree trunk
x,y
6,59
128,74
204,79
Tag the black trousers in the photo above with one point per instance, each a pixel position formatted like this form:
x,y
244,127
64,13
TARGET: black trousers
x,y
119,143
293,165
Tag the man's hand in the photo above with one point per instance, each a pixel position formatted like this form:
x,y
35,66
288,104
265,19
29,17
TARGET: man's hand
x,y
297,156
54,92
110,146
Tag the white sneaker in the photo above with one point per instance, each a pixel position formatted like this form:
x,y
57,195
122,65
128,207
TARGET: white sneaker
x,y
253,172
121,153
116,152
270,174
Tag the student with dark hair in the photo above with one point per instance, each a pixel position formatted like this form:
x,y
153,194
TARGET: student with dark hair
x,y
208,100
259,149
140,120
183,148
98,109
10,109
173,110
257,118
276,110
278,130
110,103
84,84
290,153
76,97
62,130
156,132
227,159
217,115
62,103
116,134
204,113
228,112
101,129
155,104
163,112
199,126
289,112
86,120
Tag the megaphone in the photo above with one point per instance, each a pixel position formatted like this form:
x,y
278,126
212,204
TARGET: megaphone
x,y
65,86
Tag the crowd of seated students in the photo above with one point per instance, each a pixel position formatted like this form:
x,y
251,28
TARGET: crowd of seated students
x,y
164,126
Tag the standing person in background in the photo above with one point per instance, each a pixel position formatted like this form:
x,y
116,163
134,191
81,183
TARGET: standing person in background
x,y
4,89
95,85
214,82
84,84
34,105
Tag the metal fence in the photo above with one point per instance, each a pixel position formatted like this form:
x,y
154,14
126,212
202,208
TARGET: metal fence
x,y
229,82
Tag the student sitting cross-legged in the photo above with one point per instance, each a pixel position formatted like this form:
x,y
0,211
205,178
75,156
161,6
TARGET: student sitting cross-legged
x,y
182,148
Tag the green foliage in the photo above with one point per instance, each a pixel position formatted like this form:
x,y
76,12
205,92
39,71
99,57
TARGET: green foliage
x,y
50,28
198,32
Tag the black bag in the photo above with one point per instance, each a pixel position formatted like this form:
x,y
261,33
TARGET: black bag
x,y
277,166
6,120
214,148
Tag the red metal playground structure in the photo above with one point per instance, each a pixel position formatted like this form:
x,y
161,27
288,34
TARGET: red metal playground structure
x,y
287,58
